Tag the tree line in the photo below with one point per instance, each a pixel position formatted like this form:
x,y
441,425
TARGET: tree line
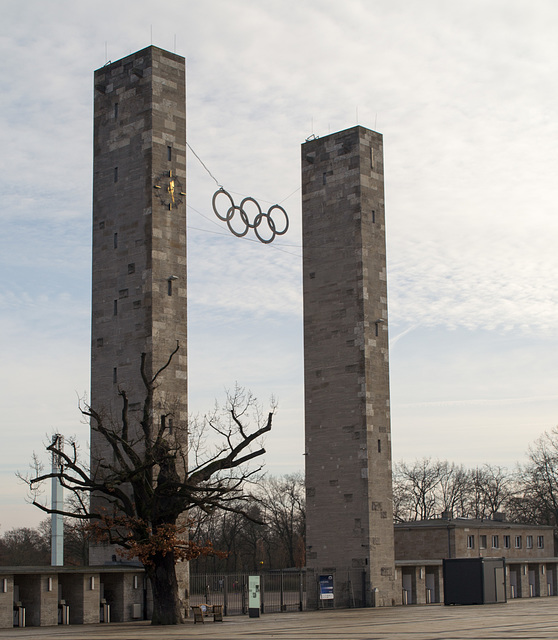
x,y
269,532
428,488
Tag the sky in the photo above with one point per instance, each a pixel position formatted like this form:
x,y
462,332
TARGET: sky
x,y
465,95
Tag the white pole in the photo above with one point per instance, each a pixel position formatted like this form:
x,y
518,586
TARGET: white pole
x,y
57,500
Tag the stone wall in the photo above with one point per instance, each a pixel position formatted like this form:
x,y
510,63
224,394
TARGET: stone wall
x,y
347,423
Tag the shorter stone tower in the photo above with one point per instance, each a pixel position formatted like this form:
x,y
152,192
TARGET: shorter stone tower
x,y
347,414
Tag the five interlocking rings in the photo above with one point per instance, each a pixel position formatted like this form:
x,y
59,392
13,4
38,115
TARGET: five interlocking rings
x,y
246,206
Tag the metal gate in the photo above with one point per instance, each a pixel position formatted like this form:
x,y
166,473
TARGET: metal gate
x,y
281,590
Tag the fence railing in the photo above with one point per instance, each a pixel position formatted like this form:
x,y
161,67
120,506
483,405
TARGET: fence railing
x,y
280,590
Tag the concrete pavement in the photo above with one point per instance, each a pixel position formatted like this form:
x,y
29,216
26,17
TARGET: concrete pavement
x,y
522,619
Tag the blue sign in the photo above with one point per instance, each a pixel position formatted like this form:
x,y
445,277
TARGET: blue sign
x,y
326,587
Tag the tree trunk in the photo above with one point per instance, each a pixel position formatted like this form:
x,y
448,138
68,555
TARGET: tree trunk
x,y
166,601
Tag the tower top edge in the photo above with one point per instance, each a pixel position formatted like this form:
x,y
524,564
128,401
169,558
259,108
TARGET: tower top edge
x,y
151,50
358,129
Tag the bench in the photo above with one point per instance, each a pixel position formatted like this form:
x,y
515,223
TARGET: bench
x,y
203,610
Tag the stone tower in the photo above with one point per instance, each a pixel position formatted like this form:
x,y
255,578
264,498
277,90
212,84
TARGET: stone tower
x,y
348,442
139,240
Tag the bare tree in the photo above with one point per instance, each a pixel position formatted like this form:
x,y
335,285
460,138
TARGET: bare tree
x,y
537,496
284,502
453,488
427,488
416,497
149,486
25,546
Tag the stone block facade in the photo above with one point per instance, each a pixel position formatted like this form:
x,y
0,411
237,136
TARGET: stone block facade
x,y
467,538
42,591
347,413
531,566
139,248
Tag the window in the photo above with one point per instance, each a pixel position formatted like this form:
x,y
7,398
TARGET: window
x,y
495,542
540,542
132,267
373,216
482,542
115,110
116,174
518,542
379,446
323,178
115,241
507,542
470,542
169,153
99,342
115,308
115,375
529,542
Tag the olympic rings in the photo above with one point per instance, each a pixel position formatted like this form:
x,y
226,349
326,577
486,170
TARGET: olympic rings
x,y
247,206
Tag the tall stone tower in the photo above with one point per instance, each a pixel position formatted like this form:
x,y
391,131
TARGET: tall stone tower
x,y
139,241
348,441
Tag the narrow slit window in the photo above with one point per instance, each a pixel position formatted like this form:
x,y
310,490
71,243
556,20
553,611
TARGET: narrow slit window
x,y
169,153
115,308
116,110
169,425
115,240
115,375
169,287
379,446
116,174
324,178
373,216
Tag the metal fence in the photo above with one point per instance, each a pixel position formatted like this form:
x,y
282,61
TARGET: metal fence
x,y
281,590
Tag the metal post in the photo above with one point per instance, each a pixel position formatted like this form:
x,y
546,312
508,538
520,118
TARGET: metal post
x,y
282,586
244,590
300,592
225,594
57,503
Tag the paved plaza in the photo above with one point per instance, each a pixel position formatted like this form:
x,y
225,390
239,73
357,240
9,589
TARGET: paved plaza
x,y
520,619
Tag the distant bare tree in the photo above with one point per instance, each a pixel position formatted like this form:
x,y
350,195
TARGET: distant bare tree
x,y
537,492
285,513
417,499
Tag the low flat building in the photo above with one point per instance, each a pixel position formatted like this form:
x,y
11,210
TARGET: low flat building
x,y
421,546
47,596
